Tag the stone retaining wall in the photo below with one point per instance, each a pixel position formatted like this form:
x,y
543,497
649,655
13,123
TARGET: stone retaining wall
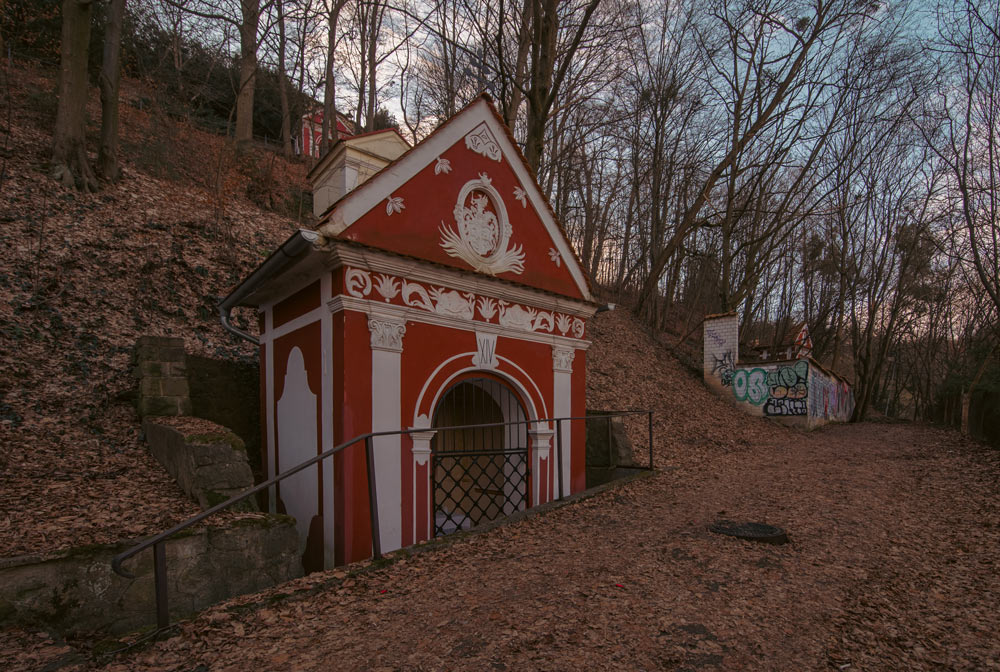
x,y
210,466
76,591
161,367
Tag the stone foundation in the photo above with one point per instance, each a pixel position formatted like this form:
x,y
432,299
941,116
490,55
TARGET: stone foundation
x,y
76,591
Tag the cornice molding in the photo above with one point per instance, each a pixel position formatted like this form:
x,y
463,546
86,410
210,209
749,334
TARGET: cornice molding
x,y
387,312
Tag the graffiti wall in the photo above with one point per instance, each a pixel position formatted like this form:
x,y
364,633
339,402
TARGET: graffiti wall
x,y
830,398
722,349
800,391
780,389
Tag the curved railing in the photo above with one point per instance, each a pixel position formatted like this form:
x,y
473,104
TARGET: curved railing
x,y
157,541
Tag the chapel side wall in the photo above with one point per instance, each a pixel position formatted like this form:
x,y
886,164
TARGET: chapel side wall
x,y
294,404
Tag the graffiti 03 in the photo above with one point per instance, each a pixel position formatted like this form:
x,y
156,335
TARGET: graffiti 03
x,y
751,385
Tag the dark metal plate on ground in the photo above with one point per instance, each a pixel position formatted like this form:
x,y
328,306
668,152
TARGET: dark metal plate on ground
x,y
765,534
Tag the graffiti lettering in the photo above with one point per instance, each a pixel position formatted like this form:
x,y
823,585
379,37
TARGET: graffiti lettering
x,y
715,337
789,382
784,407
724,367
751,385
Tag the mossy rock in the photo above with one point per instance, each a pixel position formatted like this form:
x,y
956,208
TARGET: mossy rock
x,y
215,438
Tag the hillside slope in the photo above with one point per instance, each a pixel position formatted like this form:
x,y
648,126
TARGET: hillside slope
x,y
82,276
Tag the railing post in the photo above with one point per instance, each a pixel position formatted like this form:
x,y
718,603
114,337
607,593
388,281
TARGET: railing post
x,y
373,500
611,462
160,583
649,415
559,447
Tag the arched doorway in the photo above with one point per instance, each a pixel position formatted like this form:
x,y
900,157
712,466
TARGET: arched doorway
x,y
478,474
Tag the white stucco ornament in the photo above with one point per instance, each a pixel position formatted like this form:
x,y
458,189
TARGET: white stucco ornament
x,y
482,238
522,196
394,204
481,141
442,166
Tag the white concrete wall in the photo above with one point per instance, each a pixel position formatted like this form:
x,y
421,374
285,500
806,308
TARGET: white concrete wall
x,y
722,349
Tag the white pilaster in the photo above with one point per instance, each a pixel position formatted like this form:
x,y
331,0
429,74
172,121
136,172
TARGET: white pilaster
x,y
387,347
326,421
421,457
562,407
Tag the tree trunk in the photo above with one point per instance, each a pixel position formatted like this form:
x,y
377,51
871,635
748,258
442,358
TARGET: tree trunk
x,y
330,88
69,142
107,156
248,70
967,395
286,115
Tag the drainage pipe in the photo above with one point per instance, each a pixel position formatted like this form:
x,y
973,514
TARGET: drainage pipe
x,y
301,241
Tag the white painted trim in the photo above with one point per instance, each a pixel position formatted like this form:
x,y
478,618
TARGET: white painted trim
x,y
387,416
388,310
421,458
272,503
295,324
398,173
326,347
517,384
562,407
545,408
413,270
541,444
390,179
423,420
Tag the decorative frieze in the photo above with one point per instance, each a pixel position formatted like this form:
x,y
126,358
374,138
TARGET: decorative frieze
x,y
460,305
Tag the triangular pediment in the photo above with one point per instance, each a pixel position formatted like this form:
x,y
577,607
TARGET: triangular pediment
x,y
464,197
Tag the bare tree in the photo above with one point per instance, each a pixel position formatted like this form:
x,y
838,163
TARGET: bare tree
x,y
70,164
107,156
772,51
334,7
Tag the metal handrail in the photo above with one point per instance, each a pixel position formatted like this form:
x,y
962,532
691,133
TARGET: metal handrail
x,y
159,551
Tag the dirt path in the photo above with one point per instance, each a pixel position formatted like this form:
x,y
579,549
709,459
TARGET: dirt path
x,y
892,565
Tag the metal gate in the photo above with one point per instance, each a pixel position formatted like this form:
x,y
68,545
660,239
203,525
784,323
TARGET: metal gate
x,y
478,473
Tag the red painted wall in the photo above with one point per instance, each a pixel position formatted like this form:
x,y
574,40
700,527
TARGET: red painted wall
x,y
352,393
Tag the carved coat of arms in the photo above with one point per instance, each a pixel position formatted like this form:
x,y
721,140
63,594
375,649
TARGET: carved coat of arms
x,y
483,232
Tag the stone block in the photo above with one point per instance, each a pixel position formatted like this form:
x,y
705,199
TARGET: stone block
x,y
172,354
174,387
158,406
210,467
149,368
150,386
